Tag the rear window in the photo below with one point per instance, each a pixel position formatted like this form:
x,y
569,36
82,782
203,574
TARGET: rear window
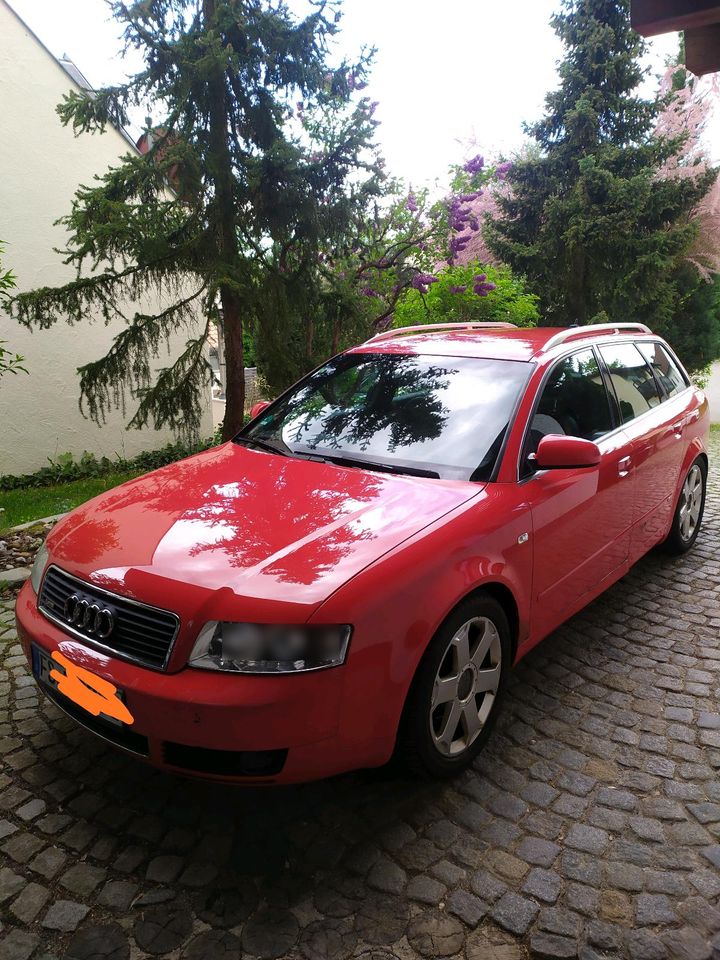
x,y
664,367
633,380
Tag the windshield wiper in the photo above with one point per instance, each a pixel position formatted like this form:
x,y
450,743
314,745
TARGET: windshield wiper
x,y
262,445
368,464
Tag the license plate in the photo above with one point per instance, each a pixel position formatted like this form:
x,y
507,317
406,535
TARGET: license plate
x,y
89,691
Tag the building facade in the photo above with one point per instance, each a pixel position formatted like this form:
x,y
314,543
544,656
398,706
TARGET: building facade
x,y
42,164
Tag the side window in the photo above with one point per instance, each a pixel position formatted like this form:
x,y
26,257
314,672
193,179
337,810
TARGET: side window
x,y
665,369
574,401
632,378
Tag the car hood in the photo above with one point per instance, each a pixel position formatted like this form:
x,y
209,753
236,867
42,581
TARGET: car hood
x,y
254,523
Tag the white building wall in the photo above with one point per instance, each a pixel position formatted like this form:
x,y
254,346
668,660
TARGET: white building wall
x,y
41,165
712,391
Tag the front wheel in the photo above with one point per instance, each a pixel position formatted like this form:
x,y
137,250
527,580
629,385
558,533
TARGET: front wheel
x,y
689,511
456,693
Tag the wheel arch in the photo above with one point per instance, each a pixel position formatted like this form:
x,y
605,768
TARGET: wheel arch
x,y
506,598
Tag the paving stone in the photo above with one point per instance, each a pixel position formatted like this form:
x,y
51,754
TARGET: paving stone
x,y
426,890
164,869
543,885
549,946
117,895
18,945
65,915
514,913
536,851
82,879
28,905
49,862
10,883
387,876
653,909
469,908
558,920
687,944
100,941
645,945
589,839
160,929
436,935
487,887
223,945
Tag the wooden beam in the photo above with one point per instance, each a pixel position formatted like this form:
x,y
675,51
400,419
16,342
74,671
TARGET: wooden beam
x,y
651,17
702,50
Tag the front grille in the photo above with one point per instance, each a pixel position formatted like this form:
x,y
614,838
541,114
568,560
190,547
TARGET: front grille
x,y
224,763
141,633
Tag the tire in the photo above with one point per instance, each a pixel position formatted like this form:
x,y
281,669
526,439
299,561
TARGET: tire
x,y
689,510
438,736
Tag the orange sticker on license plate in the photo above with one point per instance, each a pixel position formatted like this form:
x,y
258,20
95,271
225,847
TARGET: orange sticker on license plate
x,y
87,690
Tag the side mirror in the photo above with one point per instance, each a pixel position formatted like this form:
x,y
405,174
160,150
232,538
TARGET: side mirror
x,y
558,452
257,408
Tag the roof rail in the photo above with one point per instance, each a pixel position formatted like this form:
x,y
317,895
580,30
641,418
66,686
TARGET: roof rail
x,y
590,329
424,328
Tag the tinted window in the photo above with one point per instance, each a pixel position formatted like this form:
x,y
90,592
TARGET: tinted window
x,y
446,416
632,378
574,401
665,368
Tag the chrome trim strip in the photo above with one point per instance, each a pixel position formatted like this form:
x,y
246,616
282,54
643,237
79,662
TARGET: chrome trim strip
x,y
90,641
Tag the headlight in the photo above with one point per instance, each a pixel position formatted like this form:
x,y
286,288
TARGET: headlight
x,y
38,568
266,648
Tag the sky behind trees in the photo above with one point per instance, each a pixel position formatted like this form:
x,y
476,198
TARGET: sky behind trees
x,y
449,76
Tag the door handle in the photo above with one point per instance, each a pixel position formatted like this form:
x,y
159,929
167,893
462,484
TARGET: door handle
x,y
624,466
677,428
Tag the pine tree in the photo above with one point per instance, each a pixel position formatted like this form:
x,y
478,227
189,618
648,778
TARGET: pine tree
x,y
260,156
586,216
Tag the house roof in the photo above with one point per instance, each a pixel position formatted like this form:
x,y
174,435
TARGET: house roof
x,y
699,19
69,67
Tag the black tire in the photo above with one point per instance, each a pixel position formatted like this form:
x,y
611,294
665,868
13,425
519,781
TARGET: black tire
x,y
680,539
417,747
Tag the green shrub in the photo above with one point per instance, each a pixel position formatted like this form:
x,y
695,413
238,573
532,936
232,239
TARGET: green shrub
x,y
453,298
65,467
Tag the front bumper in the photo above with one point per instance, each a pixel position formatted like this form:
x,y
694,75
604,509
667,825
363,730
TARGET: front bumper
x,y
253,729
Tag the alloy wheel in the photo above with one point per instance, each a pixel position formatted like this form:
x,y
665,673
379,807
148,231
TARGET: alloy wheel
x,y
691,502
466,685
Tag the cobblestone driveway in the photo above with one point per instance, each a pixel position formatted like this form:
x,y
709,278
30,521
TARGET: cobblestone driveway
x,y
590,827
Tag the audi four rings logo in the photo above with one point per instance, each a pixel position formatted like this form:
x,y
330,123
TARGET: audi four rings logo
x,y
93,619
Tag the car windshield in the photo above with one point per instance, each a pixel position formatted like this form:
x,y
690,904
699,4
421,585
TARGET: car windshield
x,y
423,415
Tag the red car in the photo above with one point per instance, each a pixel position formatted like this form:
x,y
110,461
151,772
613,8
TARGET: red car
x,y
355,574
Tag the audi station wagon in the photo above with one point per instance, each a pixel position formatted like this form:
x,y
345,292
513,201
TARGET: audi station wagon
x,y
354,575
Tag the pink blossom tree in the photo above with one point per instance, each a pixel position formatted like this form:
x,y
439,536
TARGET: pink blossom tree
x,y
691,102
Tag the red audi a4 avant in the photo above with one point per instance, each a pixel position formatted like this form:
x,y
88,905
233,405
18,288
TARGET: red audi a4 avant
x,y
354,575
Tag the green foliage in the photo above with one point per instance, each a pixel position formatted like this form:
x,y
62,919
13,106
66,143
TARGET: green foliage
x,y
452,299
239,194
9,362
587,217
65,468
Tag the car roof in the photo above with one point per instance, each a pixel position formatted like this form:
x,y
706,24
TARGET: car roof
x,y
502,343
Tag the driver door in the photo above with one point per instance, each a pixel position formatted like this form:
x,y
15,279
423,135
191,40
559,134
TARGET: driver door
x,y
581,516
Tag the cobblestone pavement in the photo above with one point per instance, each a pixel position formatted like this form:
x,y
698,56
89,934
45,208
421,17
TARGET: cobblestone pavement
x,y
590,827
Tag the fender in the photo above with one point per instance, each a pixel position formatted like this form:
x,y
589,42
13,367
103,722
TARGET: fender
x,y
397,604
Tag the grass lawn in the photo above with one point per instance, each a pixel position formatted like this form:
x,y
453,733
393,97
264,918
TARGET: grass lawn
x,y
32,503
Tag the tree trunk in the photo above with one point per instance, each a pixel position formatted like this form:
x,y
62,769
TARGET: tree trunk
x,y
234,366
223,215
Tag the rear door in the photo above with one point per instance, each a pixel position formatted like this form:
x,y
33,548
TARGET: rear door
x,y
652,401
581,517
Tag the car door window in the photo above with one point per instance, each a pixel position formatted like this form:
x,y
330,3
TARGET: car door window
x,y
664,367
635,386
574,402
